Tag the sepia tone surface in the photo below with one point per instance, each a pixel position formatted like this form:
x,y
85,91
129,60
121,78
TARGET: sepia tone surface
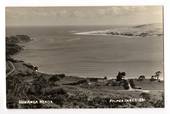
x,y
84,57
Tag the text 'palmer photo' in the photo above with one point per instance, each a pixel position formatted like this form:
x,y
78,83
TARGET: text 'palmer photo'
x,y
84,57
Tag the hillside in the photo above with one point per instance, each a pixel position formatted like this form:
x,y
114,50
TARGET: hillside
x,y
28,88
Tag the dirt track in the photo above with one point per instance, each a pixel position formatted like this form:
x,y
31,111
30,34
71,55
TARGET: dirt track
x,y
12,68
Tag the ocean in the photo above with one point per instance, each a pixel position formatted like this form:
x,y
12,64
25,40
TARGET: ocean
x,y
58,49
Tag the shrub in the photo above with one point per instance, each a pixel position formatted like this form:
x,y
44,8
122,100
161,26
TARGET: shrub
x,y
146,96
125,84
141,78
132,83
61,75
53,79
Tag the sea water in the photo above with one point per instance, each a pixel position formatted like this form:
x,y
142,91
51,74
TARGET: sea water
x,y
59,49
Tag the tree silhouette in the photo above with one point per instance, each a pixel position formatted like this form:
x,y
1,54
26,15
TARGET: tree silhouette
x,y
157,74
142,77
120,76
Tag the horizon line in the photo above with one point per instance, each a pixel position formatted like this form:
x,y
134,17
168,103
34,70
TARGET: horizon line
x,y
82,25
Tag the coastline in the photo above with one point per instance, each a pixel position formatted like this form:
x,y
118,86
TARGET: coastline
x,y
25,83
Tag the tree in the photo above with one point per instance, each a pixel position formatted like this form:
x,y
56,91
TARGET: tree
x,y
120,76
141,78
157,74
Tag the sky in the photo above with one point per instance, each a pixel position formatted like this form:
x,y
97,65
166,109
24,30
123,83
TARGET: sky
x,y
101,15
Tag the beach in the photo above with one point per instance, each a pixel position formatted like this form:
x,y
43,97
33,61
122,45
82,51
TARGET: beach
x,y
75,77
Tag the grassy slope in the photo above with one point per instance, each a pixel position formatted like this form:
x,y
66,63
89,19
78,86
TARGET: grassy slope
x,y
64,93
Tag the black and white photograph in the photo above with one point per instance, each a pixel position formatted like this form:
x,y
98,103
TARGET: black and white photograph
x,y
83,57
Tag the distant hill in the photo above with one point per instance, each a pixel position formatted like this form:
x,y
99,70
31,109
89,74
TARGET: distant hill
x,y
145,30
155,25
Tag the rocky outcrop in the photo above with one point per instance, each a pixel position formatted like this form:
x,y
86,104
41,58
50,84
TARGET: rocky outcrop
x,y
12,46
17,39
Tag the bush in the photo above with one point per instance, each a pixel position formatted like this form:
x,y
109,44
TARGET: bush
x,y
146,96
57,95
53,79
37,85
125,84
56,91
61,75
141,78
132,83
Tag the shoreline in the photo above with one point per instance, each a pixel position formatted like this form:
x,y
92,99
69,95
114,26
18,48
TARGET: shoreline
x,y
25,83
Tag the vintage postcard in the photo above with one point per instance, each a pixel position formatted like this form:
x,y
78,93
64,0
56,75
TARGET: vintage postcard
x,y
84,57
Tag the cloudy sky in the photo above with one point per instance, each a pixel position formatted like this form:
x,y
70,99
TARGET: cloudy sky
x,y
44,16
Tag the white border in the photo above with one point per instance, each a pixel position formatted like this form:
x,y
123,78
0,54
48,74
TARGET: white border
x,y
5,3
81,2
